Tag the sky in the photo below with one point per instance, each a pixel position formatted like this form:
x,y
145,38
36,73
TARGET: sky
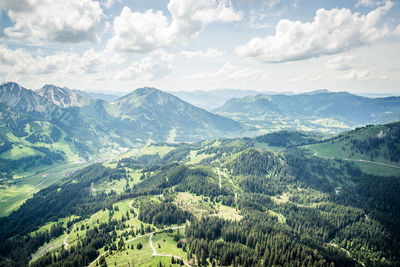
x,y
266,45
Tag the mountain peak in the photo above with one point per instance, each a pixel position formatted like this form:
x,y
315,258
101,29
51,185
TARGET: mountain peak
x,y
319,91
148,94
62,97
14,95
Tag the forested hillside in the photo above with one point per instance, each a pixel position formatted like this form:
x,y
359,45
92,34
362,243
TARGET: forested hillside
x,y
222,202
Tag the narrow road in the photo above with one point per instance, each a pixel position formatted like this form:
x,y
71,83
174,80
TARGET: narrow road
x,y
93,262
132,208
65,244
332,243
355,160
167,255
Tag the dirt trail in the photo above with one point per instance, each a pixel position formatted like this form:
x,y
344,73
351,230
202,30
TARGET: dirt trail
x,y
137,237
355,160
167,255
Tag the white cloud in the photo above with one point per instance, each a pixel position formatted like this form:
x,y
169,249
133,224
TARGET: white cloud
x,y
342,62
306,78
268,3
360,75
230,72
110,3
257,19
368,3
397,30
21,62
209,53
153,67
136,32
332,31
67,21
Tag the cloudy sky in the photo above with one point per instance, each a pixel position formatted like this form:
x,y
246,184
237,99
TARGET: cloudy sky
x,y
268,45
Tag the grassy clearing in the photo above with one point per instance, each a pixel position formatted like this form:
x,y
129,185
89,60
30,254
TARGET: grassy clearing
x,y
195,158
132,256
280,199
13,196
18,152
338,151
376,169
164,243
55,243
202,206
147,150
280,217
265,147
48,225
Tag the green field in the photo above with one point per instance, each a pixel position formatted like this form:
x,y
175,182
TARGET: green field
x,y
379,166
14,195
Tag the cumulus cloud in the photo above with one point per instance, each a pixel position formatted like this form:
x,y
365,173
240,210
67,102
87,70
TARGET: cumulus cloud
x,y
342,62
153,67
368,3
397,30
306,78
21,62
209,53
230,72
360,75
110,3
67,21
137,32
332,31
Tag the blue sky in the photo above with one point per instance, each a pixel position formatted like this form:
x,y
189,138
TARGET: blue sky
x,y
266,45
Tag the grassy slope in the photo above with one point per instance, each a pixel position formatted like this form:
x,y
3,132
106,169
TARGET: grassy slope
x,y
199,205
340,148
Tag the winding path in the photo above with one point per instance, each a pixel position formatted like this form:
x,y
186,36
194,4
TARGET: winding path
x,y
137,237
219,177
167,255
355,160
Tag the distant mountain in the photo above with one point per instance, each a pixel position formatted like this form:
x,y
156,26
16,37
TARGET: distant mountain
x,y
37,125
210,100
102,96
16,96
321,109
157,114
62,97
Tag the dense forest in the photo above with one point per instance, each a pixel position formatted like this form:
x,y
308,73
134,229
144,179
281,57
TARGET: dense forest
x,y
294,209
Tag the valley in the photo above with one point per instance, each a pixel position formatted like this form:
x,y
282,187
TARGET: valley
x,y
150,180
227,182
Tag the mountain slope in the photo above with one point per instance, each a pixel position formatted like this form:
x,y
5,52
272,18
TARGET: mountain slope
x,y
62,97
239,206
151,112
88,127
379,144
20,98
321,109
27,143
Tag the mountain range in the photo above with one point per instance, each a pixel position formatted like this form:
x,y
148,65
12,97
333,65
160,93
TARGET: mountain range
x,y
54,124
72,124
318,110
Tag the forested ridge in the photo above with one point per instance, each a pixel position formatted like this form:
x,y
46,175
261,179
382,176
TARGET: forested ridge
x,y
292,209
